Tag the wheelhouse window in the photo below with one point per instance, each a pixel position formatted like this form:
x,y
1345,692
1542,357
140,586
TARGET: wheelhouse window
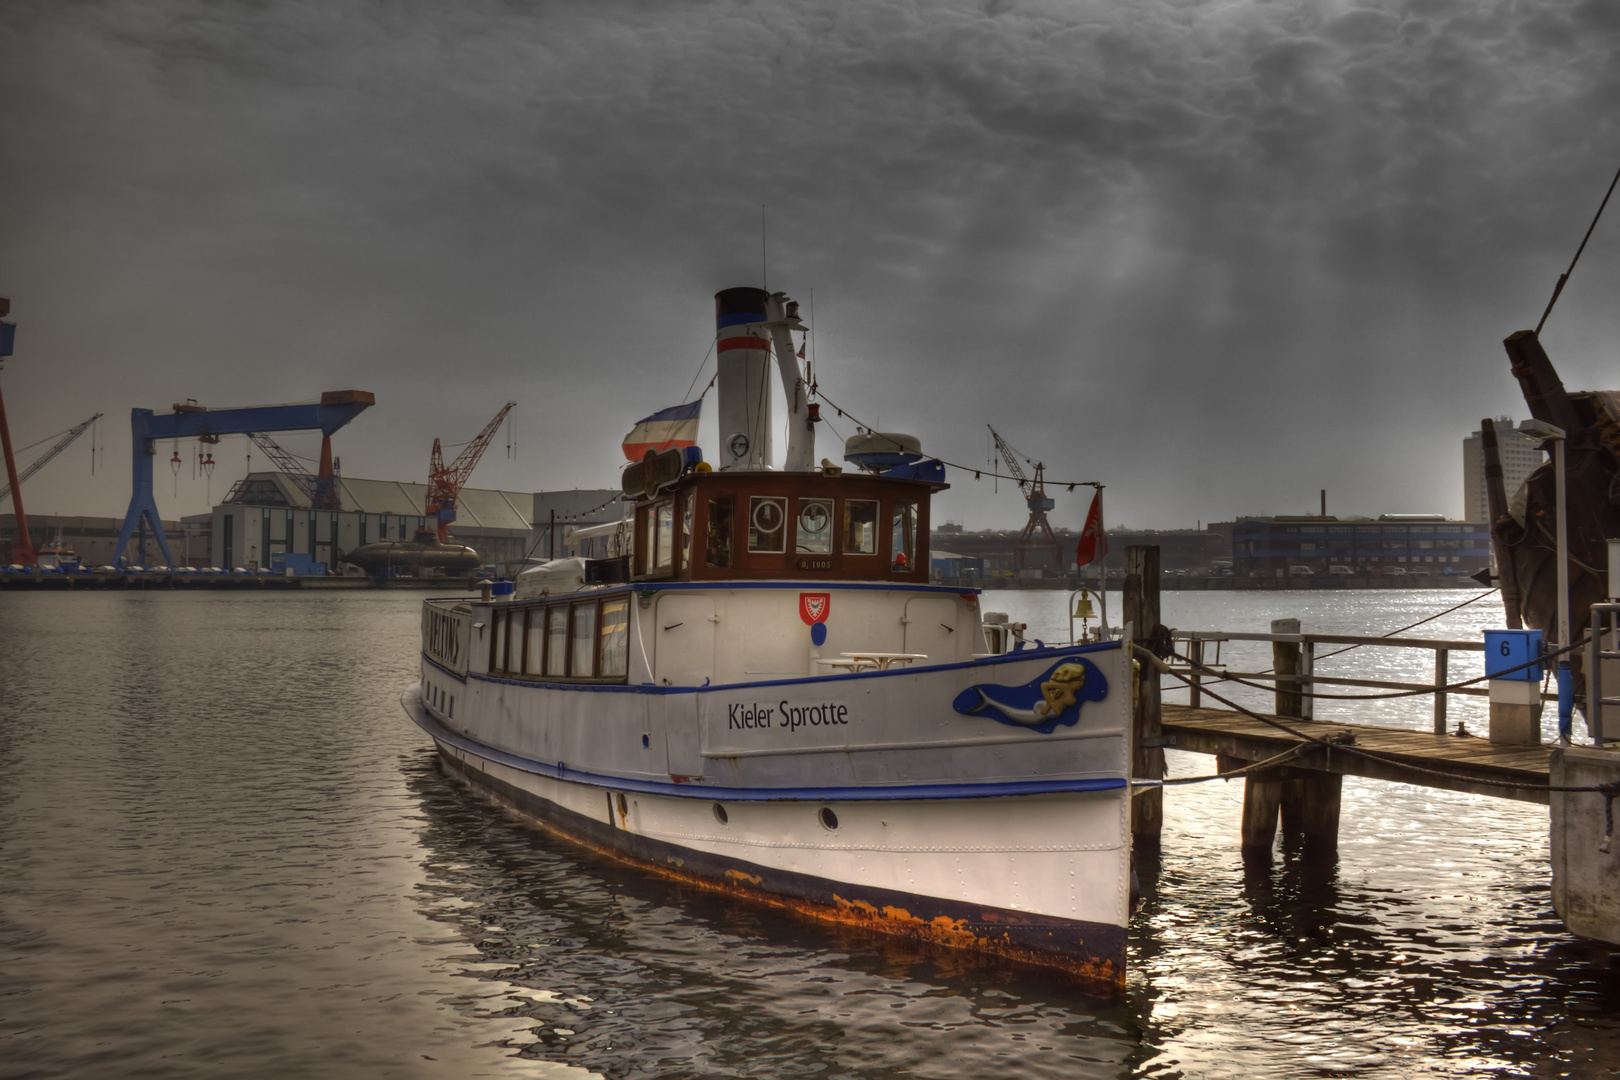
x,y
902,541
663,544
813,535
688,511
717,542
767,524
860,526
582,640
557,640
615,635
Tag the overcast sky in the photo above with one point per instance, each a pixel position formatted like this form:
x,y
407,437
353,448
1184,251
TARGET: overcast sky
x,y
1215,255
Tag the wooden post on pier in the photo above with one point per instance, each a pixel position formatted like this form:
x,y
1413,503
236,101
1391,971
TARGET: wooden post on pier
x,y
1306,801
1147,755
1285,662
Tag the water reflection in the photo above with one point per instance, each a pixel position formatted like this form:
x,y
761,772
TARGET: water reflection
x,y
223,850
632,975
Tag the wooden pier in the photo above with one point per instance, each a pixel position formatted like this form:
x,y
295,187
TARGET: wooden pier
x,y
1302,791
1465,764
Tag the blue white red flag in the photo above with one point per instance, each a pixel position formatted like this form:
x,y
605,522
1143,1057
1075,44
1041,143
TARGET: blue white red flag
x,y
666,429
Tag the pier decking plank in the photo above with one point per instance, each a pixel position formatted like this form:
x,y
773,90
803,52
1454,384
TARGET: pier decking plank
x,y
1452,763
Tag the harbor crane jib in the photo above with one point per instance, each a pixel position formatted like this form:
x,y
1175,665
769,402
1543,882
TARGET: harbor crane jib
x,y
45,459
189,421
1035,497
446,481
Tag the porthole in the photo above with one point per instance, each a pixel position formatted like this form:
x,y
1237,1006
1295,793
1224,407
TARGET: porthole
x,y
624,807
720,814
829,820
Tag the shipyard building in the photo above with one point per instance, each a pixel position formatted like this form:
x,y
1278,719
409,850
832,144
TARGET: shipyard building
x,y
269,513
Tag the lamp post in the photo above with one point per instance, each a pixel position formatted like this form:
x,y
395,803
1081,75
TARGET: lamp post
x,y
1566,682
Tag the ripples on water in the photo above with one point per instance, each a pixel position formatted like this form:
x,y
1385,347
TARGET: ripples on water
x,y
224,851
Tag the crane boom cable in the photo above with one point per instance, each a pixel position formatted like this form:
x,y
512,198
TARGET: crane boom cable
x,y
44,459
1008,455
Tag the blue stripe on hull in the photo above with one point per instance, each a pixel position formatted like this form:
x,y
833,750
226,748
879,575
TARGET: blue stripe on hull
x,y
560,770
892,673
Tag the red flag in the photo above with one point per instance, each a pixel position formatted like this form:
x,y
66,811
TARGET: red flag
x,y
1093,546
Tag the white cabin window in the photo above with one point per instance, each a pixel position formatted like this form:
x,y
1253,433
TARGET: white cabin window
x,y
514,642
557,640
534,642
860,526
497,655
615,639
582,640
767,524
815,527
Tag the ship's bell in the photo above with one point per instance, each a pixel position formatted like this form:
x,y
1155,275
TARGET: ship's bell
x,y
1082,605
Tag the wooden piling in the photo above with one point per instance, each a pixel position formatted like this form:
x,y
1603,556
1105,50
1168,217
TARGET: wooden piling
x,y
1262,799
1319,812
1285,662
1147,754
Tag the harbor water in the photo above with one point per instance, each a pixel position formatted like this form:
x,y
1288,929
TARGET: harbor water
x,y
225,851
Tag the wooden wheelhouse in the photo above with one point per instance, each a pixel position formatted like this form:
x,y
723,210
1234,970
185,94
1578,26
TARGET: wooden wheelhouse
x,y
801,526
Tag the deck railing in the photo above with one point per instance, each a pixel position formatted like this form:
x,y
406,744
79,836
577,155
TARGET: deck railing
x,y
1292,677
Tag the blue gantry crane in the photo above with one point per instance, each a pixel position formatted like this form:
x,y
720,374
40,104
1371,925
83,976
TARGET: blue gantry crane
x,y
191,421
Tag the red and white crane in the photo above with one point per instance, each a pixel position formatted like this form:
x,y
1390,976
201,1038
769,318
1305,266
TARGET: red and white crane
x,y
446,481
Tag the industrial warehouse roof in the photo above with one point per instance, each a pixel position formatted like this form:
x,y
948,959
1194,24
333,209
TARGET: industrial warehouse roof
x,y
482,508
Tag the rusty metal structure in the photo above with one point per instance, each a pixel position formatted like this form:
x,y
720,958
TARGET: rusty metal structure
x,y
446,481
1523,524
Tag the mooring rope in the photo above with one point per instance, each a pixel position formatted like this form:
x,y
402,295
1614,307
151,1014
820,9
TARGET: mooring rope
x,y
1609,790
1221,676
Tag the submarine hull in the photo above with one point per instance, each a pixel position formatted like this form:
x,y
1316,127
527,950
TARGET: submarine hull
x,y
415,558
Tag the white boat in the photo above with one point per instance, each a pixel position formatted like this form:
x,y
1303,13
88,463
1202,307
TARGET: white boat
x,y
766,696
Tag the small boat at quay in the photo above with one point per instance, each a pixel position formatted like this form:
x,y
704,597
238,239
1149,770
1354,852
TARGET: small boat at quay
x,y
767,696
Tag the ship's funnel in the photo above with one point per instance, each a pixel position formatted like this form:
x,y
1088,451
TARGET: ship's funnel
x,y
743,358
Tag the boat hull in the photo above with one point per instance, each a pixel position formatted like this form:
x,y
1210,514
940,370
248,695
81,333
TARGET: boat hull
x,y
936,870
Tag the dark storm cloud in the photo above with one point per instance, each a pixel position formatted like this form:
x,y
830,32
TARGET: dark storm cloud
x,y
1216,255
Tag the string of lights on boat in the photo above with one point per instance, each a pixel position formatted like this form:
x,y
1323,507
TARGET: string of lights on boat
x,y
978,472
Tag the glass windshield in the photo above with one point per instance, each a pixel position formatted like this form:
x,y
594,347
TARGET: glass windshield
x,y
902,542
688,509
717,545
815,527
663,536
767,523
860,526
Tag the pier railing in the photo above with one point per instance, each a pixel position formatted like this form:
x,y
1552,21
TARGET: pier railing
x,y
1294,657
